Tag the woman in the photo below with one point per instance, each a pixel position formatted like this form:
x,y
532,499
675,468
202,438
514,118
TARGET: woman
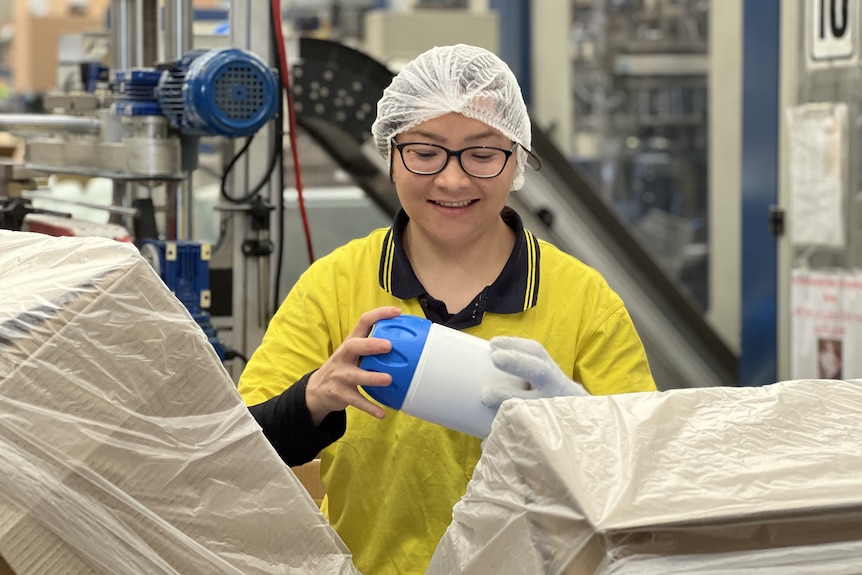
x,y
456,132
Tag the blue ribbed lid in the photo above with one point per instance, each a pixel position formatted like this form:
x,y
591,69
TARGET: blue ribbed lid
x,y
407,334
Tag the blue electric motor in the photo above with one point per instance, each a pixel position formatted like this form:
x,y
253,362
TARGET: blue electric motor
x,y
227,92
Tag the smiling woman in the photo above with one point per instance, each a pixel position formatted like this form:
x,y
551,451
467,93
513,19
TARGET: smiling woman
x,y
458,256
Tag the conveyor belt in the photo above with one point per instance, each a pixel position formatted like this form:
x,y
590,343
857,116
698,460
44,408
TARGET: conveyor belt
x,y
337,88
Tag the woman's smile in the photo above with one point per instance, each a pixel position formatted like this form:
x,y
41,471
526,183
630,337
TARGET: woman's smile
x,y
461,204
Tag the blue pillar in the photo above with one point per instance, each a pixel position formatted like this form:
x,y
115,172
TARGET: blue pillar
x,y
760,123
515,46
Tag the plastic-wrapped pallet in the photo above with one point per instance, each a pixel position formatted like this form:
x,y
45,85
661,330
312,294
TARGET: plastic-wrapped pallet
x,y
124,445
707,480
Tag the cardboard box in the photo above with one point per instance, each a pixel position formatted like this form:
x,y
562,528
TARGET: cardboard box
x,y
34,56
702,480
11,148
38,26
309,475
61,8
124,445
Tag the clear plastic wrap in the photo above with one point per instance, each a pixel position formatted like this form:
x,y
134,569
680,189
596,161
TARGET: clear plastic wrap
x,y
124,445
705,480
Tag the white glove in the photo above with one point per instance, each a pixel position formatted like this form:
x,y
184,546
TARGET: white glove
x,y
528,360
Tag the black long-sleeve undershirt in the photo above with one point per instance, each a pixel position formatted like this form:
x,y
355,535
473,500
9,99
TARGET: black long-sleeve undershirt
x,y
287,424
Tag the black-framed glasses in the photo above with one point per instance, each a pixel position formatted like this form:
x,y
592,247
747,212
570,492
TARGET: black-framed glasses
x,y
477,161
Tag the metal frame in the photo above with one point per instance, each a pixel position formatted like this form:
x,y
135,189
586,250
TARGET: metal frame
x,y
253,280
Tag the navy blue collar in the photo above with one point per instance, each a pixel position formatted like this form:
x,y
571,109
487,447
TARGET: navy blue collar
x,y
515,290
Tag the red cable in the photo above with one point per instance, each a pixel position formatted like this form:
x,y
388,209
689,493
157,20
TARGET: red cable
x,y
291,115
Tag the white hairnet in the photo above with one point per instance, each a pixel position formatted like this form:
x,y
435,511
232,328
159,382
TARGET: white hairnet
x,y
465,79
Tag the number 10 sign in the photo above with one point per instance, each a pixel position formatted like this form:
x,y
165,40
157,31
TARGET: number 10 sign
x,y
832,31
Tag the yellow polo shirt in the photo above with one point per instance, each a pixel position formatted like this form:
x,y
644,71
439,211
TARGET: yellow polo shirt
x,y
391,484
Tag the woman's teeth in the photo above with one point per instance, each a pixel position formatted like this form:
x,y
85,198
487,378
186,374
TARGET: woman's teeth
x,y
454,204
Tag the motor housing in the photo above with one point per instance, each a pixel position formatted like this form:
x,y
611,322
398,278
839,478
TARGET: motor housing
x,y
227,92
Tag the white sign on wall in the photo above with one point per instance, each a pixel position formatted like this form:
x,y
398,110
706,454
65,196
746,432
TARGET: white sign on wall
x,y
832,32
826,324
817,149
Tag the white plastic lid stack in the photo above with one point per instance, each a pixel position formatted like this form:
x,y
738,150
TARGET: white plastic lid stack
x,y
721,480
465,79
124,445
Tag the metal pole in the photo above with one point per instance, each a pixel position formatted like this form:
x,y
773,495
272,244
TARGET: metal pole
x,y
178,41
185,206
250,24
149,33
49,123
125,37
121,197
172,207
183,211
178,28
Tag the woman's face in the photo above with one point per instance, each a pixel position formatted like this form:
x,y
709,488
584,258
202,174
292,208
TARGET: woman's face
x,y
452,207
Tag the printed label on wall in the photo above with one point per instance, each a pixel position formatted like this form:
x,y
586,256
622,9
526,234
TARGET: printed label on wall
x,y
832,32
817,135
826,325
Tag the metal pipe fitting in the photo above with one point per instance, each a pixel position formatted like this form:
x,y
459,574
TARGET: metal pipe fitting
x,y
49,123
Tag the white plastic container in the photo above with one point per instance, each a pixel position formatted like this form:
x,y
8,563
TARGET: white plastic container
x,y
438,374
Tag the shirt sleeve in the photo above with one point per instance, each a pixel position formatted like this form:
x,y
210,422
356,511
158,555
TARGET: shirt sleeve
x,y
298,340
612,358
287,424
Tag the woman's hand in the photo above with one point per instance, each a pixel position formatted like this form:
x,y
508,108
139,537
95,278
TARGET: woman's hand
x,y
527,359
334,386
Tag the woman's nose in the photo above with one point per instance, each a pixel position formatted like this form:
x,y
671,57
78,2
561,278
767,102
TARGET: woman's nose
x,y
453,175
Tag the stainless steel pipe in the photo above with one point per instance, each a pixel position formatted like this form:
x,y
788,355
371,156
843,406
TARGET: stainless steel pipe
x,y
178,39
125,35
149,33
49,123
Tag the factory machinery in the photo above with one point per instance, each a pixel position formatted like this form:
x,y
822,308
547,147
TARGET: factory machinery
x,y
145,131
639,122
140,126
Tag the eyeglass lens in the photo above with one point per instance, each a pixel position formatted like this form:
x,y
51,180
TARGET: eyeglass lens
x,y
480,162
